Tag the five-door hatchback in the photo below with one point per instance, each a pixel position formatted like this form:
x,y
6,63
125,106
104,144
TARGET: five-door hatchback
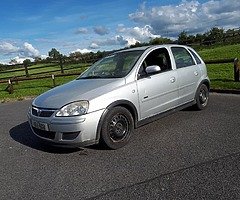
x,y
119,93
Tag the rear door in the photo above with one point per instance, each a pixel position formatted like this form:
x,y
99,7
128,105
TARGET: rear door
x,y
158,92
188,74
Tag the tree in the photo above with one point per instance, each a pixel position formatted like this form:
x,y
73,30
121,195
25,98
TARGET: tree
x,y
199,38
182,37
54,54
160,41
26,63
61,60
37,59
214,35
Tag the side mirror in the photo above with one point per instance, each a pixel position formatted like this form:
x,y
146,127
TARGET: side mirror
x,y
153,69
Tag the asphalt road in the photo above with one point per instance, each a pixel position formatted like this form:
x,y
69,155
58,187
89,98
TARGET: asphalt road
x,y
187,155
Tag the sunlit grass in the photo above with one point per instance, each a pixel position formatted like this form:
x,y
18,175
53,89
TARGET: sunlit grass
x,y
44,68
222,76
224,52
32,88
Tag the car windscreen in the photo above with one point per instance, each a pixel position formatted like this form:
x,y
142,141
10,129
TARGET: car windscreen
x,y
116,65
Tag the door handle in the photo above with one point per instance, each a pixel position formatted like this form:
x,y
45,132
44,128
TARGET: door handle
x,y
172,79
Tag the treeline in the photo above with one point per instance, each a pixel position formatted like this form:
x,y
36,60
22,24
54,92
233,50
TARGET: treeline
x,y
212,37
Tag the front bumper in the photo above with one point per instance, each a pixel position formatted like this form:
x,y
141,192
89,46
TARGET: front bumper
x,y
74,131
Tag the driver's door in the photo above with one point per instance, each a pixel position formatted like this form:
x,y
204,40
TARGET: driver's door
x,y
158,92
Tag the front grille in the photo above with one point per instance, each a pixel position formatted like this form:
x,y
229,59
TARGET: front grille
x,y
44,134
42,112
70,135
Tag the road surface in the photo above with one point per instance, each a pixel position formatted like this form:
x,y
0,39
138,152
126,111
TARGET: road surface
x,y
186,155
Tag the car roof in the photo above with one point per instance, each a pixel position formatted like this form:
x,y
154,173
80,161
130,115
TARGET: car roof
x,y
143,48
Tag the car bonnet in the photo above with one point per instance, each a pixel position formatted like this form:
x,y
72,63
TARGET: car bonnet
x,y
82,89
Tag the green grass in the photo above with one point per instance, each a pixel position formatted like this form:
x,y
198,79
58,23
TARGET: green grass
x,y
224,52
34,69
31,88
221,75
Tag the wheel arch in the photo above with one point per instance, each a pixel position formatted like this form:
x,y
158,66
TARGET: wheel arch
x,y
121,103
206,82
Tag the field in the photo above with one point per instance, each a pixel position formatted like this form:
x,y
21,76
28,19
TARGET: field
x,y
48,68
222,52
221,75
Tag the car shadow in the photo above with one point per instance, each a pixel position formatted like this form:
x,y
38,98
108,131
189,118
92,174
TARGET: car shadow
x,y
23,134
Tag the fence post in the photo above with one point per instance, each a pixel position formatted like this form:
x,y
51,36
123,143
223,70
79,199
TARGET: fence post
x,y
236,70
53,79
15,79
26,63
61,64
9,88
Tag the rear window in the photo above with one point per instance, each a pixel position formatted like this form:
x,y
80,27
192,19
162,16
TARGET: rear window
x,y
182,57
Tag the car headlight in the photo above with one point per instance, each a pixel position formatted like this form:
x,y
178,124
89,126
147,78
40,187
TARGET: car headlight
x,y
73,109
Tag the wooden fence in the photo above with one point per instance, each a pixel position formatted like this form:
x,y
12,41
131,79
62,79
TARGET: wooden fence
x,y
15,80
236,66
26,73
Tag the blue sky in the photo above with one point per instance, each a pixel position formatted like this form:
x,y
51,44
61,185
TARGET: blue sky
x,y
30,28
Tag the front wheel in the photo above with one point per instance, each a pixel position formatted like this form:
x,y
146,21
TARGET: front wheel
x,y
202,97
117,127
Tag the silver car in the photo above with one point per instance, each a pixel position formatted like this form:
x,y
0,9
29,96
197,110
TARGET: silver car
x,y
119,93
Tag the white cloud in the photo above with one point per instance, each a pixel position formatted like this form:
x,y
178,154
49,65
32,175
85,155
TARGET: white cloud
x,y
101,30
121,28
131,41
94,46
118,40
8,48
19,60
82,51
43,56
81,31
143,34
29,50
170,20
4,62
21,52
127,37
190,16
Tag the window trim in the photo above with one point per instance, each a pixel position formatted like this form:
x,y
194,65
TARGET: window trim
x,y
195,56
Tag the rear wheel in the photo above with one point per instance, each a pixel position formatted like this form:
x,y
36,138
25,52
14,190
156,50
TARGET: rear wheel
x,y
117,127
202,97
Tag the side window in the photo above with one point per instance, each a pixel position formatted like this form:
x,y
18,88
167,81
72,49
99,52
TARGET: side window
x,y
195,56
158,57
182,57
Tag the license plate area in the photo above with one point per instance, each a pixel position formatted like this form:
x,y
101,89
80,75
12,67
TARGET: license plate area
x,y
40,125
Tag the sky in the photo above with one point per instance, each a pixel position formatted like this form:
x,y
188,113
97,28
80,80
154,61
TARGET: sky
x,y
31,28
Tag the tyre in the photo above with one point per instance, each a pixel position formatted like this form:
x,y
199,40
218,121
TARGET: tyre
x,y
117,128
202,97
